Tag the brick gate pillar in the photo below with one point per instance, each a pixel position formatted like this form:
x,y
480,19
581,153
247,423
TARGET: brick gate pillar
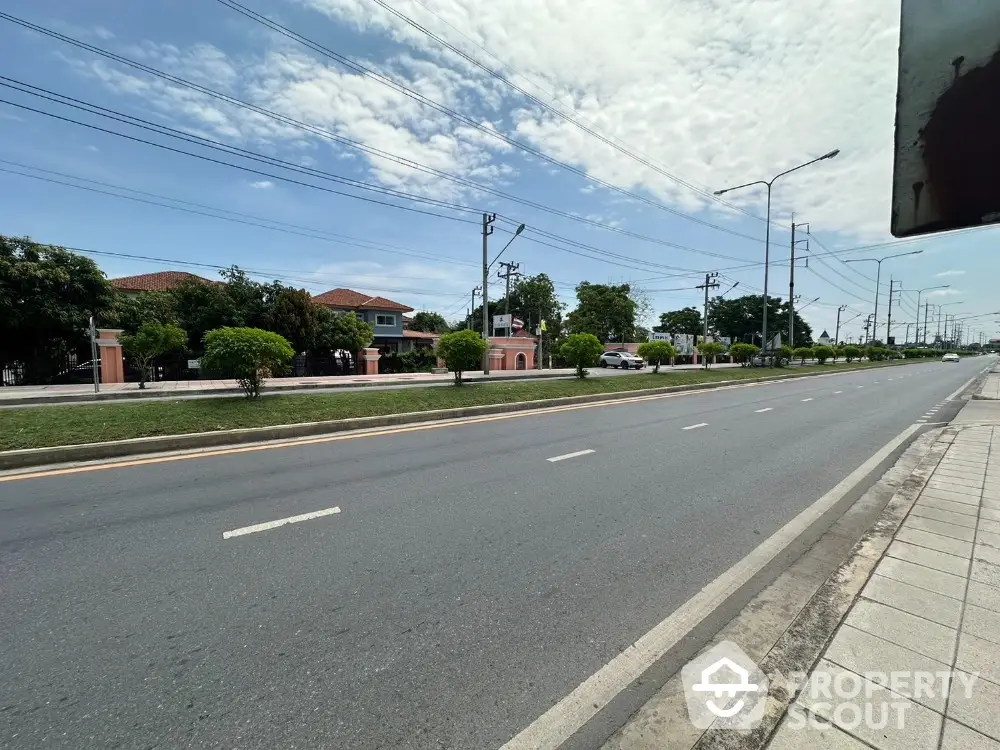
x,y
112,366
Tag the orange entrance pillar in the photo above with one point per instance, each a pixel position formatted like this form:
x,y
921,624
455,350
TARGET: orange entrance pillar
x,y
112,366
370,358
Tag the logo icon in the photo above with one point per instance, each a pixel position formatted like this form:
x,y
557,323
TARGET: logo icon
x,y
724,688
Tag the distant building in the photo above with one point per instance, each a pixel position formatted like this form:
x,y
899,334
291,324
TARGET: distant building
x,y
161,281
824,339
385,317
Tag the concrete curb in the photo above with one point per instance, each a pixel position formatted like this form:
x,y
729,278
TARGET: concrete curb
x,y
31,457
87,398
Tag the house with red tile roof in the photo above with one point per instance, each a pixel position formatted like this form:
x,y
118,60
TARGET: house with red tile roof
x,y
161,281
385,316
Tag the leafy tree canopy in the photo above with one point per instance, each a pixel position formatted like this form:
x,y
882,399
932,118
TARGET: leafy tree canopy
x,y
686,321
429,322
605,311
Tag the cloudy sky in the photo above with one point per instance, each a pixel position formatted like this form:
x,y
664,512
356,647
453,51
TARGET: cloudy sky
x,y
368,150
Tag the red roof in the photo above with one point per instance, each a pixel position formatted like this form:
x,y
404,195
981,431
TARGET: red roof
x,y
408,334
161,281
348,299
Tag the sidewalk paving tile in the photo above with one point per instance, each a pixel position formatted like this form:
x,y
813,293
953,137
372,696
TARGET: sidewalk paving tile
x,y
904,629
919,577
927,501
964,533
983,623
961,477
789,737
989,514
937,514
958,737
978,708
911,534
988,538
992,526
929,558
936,607
978,656
985,572
952,497
948,486
921,726
987,553
989,502
862,652
982,595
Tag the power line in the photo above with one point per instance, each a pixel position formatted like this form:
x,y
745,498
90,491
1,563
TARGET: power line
x,y
248,219
177,80
416,96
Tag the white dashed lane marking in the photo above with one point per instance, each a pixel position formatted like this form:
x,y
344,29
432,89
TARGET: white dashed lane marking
x,y
280,522
761,411
806,399
695,426
564,456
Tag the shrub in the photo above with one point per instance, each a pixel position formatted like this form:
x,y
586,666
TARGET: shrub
x,y
744,353
838,352
248,354
657,352
782,356
852,353
152,340
823,353
803,353
461,351
581,350
710,349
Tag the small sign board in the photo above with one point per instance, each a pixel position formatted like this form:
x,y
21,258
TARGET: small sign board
x,y
502,321
194,364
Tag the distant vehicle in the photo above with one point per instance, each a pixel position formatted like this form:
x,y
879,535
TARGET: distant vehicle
x,y
621,360
950,357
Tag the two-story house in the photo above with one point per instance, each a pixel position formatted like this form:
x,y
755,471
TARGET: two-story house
x,y
384,316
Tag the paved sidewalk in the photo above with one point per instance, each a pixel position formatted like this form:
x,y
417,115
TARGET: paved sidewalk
x,y
932,607
991,388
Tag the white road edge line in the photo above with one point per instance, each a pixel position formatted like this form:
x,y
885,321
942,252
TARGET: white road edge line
x,y
761,411
564,456
280,522
563,720
695,426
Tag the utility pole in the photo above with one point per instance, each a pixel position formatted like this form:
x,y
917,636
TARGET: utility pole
x,y
475,290
791,280
927,312
868,325
907,337
710,283
488,220
888,322
836,335
507,271
93,357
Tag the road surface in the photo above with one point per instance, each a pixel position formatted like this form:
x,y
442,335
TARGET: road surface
x,y
468,582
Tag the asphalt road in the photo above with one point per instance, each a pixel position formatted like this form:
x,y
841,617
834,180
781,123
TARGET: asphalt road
x,y
467,584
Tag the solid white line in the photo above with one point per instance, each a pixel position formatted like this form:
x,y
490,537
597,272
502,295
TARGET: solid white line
x,y
570,455
806,399
695,426
561,721
280,522
761,411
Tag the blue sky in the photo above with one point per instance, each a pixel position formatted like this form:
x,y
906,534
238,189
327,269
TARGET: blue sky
x,y
708,97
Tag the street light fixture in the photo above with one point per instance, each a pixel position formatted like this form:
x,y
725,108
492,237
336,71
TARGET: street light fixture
x,y
516,233
878,281
919,292
767,236
488,220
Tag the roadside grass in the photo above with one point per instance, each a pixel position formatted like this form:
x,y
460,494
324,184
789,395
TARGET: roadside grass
x,y
45,426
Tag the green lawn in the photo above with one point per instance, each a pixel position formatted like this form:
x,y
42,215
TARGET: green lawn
x,y
43,426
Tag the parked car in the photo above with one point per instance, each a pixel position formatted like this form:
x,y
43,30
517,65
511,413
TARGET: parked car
x,y
622,360
950,357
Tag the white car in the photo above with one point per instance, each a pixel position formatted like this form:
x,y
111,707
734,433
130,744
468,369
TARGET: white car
x,y
622,360
950,357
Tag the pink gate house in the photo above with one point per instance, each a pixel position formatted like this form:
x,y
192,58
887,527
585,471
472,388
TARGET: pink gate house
x,y
515,352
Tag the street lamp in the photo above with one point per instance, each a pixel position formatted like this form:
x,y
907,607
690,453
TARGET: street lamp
x,y
939,307
878,279
919,292
767,236
487,231
516,233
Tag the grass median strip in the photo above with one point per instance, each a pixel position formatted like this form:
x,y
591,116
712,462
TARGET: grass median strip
x,y
93,423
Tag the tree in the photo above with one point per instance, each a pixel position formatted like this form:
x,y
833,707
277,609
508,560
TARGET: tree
x,y
250,299
461,351
250,355
802,353
657,352
742,318
851,353
201,308
429,322
294,316
47,295
581,350
131,311
686,321
605,311
151,341
823,353
340,334
710,349
744,353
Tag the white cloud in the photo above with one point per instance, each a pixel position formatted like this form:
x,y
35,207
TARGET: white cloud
x,y
422,286
944,293
262,185
953,272
93,149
